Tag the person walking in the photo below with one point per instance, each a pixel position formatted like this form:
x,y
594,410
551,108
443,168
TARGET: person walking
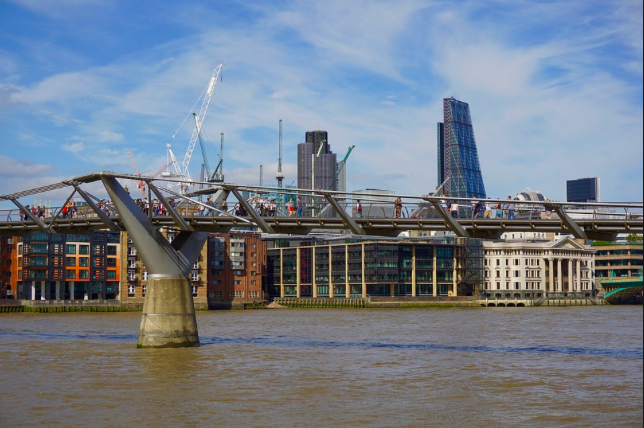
x,y
454,209
398,204
548,209
300,207
488,210
359,209
511,207
474,207
499,210
291,207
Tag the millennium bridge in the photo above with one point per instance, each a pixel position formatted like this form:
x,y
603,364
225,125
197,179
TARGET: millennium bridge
x,y
168,318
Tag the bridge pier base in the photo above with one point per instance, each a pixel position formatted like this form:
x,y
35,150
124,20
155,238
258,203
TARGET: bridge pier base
x,y
168,319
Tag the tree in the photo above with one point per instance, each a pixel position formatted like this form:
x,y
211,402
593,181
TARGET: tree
x,y
634,239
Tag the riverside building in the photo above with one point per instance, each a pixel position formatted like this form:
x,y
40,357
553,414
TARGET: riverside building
x,y
362,267
69,267
326,165
235,265
8,267
556,269
613,260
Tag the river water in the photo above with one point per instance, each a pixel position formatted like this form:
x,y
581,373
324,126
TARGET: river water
x,y
504,367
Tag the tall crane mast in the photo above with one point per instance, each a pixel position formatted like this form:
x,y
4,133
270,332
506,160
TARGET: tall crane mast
x,y
218,175
205,166
199,119
280,175
261,175
341,165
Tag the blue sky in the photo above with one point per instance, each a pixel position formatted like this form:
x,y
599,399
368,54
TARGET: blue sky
x,y
555,88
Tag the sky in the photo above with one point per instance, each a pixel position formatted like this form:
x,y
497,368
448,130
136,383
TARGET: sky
x,y
554,88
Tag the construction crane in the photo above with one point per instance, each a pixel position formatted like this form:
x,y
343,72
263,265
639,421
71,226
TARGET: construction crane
x,y
205,167
141,184
341,165
280,175
218,175
181,171
261,175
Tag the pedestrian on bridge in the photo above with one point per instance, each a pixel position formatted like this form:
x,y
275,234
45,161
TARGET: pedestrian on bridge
x,y
454,209
399,206
511,207
359,209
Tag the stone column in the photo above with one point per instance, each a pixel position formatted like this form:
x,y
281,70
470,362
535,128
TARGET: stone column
x,y
42,290
560,284
364,281
578,275
282,288
298,275
542,278
392,289
413,271
571,278
551,275
71,290
331,290
313,280
346,272
33,290
58,290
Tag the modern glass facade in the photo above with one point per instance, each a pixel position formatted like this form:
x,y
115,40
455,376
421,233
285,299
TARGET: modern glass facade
x,y
583,190
355,267
458,158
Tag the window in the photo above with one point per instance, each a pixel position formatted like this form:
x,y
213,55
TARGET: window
x,y
111,250
143,289
236,282
253,283
253,254
194,276
217,294
131,276
238,273
145,276
131,289
70,249
254,264
215,282
194,291
83,249
83,274
70,274
111,274
238,293
83,262
111,262
70,261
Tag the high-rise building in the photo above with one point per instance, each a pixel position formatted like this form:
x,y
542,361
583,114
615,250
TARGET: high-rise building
x,y
583,190
326,164
458,160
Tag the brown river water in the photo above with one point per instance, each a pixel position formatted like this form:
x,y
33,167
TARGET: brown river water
x,y
505,367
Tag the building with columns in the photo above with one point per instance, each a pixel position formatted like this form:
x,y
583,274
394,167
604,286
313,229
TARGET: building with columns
x,y
555,269
350,267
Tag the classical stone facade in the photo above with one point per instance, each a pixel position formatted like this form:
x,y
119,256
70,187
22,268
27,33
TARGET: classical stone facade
x,y
562,268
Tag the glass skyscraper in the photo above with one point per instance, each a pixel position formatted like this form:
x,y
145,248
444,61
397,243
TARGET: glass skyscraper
x,y
458,160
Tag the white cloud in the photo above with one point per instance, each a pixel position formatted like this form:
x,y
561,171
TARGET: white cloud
x,y
75,148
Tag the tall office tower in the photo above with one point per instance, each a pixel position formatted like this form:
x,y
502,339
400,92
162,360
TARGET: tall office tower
x,y
458,159
583,190
326,163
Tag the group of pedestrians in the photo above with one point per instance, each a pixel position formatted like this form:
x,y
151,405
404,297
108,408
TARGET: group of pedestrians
x,y
485,209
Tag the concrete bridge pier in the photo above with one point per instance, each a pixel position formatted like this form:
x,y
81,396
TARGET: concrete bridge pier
x,y
168,319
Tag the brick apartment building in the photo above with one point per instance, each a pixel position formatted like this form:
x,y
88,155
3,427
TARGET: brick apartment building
x,y
8,267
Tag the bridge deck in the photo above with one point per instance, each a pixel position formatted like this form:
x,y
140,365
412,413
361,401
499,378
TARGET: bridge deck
x,y
488,228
